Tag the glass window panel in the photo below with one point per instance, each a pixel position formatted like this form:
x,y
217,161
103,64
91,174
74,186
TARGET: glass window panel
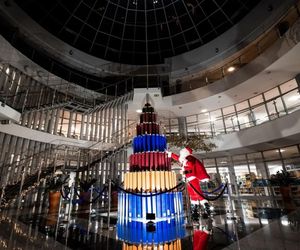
x,y
239,159
174,121
275,108
286,87
242,178
204,117
224,174
222,161
211,171
293,165
66,114
271,154
253,169
245,119
209,163
289,152
217,122
271,93
204,126
215,178
174,125
260,114
174,129
231,123
274,167
292,100
192,128
254,157
228,110
214,115
256,100
242,105
191,119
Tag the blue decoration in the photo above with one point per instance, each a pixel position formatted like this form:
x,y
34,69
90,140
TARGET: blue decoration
x,y
144,143
166,231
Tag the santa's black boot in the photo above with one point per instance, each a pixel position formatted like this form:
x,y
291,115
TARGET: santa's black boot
x,y
195,209
207,210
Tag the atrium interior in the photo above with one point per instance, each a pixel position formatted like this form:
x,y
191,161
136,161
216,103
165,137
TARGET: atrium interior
x,y
96,95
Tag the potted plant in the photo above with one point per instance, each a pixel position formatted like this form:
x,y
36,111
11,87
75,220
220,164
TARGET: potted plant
x,y
198,142
53,187
284,180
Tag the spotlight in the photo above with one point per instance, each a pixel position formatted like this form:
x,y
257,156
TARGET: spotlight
x,y
231,69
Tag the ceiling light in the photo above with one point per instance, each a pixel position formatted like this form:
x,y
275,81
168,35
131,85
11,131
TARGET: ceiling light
x,y
139,111
281,150
294,98
231,69
203,110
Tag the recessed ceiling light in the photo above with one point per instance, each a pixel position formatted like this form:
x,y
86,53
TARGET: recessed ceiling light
x,y
231,69
203,110
139,111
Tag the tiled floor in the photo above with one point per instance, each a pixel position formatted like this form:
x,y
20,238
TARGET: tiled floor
x,y
237,224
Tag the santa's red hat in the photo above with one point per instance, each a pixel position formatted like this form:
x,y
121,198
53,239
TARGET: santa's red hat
x,y
187,150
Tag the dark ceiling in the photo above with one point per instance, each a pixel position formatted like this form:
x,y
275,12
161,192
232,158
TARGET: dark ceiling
x,y
123,31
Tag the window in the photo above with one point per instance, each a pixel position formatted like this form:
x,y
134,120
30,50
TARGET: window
x,y
289,152
256,100
217,122
260,114
292,100
275,108
254,157
271,154
271,94
286,87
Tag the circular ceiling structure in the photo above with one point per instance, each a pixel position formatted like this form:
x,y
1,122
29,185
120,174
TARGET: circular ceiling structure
x,y
137,31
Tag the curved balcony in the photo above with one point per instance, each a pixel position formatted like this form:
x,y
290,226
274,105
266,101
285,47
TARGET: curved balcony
x,y
272,104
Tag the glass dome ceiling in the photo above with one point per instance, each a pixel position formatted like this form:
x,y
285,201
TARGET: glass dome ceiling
x,y
124,31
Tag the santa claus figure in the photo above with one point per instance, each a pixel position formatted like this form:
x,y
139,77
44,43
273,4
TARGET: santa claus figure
x,y
194,172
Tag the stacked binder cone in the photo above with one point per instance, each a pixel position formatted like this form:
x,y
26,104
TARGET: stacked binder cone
x,y
150,194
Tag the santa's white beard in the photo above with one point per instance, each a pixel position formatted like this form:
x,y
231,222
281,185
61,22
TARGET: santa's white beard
x,y
182,157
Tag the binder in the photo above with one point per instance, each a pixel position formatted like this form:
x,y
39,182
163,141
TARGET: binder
x,y
139,181
148,182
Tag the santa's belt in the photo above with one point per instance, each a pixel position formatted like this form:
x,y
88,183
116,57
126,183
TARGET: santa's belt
x,y
188,171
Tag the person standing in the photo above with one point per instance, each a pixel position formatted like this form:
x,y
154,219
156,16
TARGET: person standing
x,y
194,172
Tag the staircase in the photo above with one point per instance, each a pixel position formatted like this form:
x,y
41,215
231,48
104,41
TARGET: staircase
x,y
10,192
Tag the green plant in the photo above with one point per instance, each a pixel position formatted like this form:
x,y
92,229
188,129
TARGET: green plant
x,y
281,178
55,183
86,184
196,142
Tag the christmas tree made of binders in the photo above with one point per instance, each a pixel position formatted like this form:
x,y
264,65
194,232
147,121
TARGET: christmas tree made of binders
x,y
150,203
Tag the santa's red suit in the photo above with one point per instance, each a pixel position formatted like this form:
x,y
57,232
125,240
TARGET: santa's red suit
x,y
200,239
194,172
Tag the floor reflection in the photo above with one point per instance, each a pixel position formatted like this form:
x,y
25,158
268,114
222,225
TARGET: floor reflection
x,y
254,223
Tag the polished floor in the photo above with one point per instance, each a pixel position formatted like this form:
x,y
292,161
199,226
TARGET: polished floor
x,y
252,223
